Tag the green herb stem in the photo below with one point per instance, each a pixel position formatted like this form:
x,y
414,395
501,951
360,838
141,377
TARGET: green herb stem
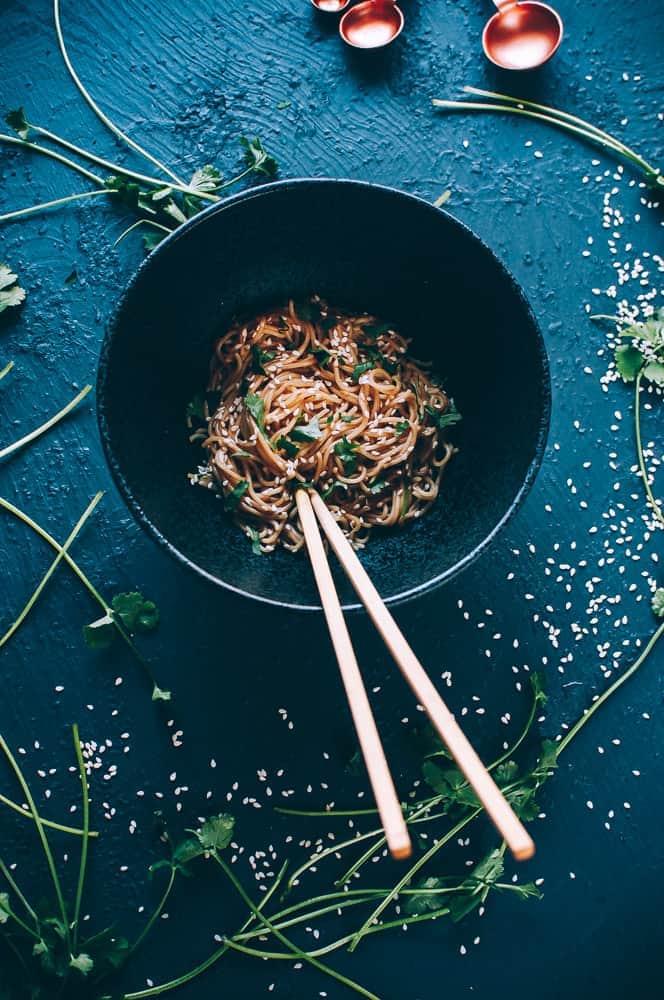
x,y
43,206
211,960
11,882
22,924
413,870
295,951
51,422
74,831
14,140
136,225
8,367
86,834
37,528
589,712
95,107
156,914
657,510
42,835
591,134
50,571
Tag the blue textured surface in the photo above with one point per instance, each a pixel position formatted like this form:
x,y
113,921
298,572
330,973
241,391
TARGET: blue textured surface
x,y
188,78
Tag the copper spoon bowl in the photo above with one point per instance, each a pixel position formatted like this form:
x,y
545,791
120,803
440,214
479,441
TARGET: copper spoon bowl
x,y
330,6
522,35
371,24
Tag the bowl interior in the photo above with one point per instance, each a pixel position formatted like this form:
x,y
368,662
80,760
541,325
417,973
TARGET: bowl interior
x,y
361,247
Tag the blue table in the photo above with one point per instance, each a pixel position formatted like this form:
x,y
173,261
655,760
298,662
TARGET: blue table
x,y
553,594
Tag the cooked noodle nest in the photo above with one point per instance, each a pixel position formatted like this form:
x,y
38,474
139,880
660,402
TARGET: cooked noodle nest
x,y
310,396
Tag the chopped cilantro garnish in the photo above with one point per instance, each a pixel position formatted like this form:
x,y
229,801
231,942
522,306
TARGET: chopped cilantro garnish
x,y
360,369
259,358
346,449
289,447
307,432
256,408
377,486
255,541
402,426
233,498
444,418
322,356
377,329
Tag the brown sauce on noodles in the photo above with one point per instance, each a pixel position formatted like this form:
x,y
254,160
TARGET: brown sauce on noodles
x,y
309,395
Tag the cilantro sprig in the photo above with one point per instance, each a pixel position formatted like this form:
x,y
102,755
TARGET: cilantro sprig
x,y
133,611
11,293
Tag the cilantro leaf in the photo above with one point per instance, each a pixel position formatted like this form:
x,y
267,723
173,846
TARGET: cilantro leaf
x,y
289,447
99,634
360,369
657,603
322,356
216,833
152,239
450,783
233,498
654,371
346,449
158,694
18,122
506,773
307,432
207,178
477,886
402,426
106,949
259,357
444,418
377,486
426,902
537,684
11,293
135,612
375,330
82,962
255,541
257,159
196,408
336,485
256,408
629,361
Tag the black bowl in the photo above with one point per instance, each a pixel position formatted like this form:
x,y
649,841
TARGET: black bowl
x,y
362,247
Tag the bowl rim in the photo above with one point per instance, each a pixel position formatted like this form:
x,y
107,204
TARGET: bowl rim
x,y
262,191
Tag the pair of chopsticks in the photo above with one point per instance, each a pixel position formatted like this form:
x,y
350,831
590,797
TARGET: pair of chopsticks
x,y
313,510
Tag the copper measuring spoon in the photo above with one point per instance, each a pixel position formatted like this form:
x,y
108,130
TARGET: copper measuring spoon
x,y
331,6
371,24
522,35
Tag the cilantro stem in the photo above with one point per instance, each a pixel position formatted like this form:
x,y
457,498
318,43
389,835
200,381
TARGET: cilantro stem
x,y
325,812
155,915
44,205
50,571
51,422
95,107
589,712
42,835
22,924
14,140
588,132
297,952
11,882
86,833
75,831
135,225
657,510
357,937
37,528
207,963
8,367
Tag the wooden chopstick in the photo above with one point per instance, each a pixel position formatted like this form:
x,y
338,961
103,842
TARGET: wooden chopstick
x,y
389,809
498,808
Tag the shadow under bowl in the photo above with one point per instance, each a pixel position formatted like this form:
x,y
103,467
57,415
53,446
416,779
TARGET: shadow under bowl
x,y
362,247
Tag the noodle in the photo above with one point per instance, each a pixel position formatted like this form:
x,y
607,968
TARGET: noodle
x,y
313,396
